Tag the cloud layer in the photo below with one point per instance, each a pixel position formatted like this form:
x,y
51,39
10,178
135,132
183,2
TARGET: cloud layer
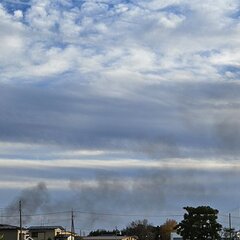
x,y
143,93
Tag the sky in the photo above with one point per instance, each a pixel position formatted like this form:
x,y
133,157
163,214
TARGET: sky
x,y
120,110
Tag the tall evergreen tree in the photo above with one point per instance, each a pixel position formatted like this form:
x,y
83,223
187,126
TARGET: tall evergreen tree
x,y
199,223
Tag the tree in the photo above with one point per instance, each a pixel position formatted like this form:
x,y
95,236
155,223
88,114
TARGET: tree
x,y
166,229
199,224
228,233
142,229
103,232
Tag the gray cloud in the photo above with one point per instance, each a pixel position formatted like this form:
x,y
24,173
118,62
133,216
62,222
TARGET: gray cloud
x,y
162,120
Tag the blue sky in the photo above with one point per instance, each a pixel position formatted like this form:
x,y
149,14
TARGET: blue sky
x,y
120,106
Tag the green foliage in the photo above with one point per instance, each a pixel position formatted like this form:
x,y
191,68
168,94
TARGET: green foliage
x,y
199,224
142,229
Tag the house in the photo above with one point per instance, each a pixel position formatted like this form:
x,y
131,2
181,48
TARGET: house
x,y
45,232
175,236
10,232
114,237
66,235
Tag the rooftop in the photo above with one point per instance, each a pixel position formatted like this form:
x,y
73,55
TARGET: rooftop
x,y
107,237
45,228
9,227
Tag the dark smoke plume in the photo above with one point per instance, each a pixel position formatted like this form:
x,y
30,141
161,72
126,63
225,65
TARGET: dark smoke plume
x,y
110,201
32,200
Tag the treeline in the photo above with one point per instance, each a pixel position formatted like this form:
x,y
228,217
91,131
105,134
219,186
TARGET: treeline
x,y
142,229
198,223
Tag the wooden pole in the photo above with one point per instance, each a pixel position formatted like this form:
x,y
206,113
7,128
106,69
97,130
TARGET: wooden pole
x,y
20,218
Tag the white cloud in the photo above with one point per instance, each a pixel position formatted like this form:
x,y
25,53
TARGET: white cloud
x,y
226,57
150,37
20,184
184,164
171,20
12,42
18,14
56,61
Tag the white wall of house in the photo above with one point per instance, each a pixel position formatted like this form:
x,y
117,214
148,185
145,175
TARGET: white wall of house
x,y
44,234
175,236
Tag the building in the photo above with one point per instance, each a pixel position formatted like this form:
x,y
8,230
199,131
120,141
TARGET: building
x,y
10,232
45,232
175,236
66,235
114,237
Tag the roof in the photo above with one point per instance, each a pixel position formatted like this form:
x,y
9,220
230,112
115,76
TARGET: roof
x,y
62,236
10,227
107,237
35,228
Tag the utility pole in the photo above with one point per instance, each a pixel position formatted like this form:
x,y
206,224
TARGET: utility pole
x,y
20,218
72,225
230,226
1,217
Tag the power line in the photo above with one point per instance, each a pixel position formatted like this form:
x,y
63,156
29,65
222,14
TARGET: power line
x,y
128,215
105,214
36,214
94,213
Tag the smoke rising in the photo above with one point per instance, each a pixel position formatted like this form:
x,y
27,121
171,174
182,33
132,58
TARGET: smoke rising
x,y
111,200
145,194
32,200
